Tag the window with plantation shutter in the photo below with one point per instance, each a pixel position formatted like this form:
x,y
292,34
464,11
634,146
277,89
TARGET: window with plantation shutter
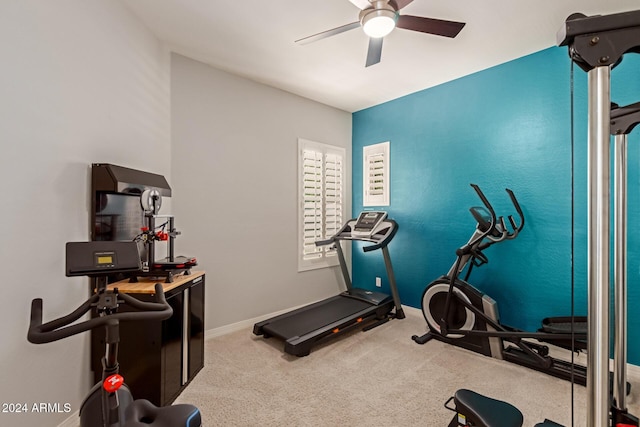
x,y
321,199
375,174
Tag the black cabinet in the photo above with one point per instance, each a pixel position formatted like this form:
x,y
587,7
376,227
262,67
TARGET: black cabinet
x,y
158,359
196,329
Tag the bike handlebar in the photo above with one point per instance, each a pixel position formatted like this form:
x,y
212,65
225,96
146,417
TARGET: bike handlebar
x,y
62,327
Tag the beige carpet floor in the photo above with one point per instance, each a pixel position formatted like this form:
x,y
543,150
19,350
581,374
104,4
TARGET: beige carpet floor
x,y
380,377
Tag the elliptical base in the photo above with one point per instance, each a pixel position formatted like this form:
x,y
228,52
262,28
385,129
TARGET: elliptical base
x,y
433,307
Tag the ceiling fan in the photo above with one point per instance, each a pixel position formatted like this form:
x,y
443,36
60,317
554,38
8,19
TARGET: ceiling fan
x,y
379,17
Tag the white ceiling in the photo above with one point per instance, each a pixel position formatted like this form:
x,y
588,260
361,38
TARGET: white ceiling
x,y
255,39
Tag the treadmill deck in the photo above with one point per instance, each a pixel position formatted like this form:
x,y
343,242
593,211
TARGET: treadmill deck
x,y
302,328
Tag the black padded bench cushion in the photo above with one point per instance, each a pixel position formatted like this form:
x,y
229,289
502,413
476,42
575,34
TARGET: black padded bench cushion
x,y
548,423
482,411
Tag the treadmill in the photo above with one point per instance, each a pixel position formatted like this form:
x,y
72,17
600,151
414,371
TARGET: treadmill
x,y
302,328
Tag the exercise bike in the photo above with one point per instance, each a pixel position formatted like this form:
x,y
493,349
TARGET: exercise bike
x,y
110,403
457,313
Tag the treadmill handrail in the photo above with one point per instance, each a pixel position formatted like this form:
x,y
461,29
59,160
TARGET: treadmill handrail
x,y
380,241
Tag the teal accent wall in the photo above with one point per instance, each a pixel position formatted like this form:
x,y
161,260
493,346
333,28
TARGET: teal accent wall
x,y
505,127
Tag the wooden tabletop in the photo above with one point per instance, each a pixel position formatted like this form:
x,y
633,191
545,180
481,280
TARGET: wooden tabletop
x,y
146,285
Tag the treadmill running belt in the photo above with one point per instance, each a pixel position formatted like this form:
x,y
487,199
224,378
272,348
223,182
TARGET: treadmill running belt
x,y
312,318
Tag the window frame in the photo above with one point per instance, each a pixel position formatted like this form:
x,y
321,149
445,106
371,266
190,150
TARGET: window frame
x,y
325,256
372,154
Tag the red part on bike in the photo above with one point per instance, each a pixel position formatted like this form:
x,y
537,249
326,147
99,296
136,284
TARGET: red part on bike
x,y
113,383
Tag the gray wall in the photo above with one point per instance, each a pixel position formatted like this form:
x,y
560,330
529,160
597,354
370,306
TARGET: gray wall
x,y
234,176
81,82
234,169
86,82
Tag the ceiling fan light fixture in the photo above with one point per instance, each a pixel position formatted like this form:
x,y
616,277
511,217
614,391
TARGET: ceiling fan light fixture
x,y
378,22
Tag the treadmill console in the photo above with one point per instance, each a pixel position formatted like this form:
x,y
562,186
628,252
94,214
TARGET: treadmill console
x,y
367,223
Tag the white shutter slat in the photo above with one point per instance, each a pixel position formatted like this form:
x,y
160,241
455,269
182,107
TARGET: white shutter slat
x,y
312,203
376,174
321,199
333,198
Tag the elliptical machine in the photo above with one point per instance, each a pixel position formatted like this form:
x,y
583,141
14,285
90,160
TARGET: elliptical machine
x,y
457,313
110,403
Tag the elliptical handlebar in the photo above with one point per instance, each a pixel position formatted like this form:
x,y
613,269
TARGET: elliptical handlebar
x,y
492,224
500,228
497,229
516,205
486,204
498,224
62,327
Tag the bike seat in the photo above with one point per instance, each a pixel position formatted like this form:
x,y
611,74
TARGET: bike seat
x,y
142,413
482,411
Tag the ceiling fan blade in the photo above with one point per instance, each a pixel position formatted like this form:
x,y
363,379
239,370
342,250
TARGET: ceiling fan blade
x,y
374,53
430,25
402,3
328,33
361,4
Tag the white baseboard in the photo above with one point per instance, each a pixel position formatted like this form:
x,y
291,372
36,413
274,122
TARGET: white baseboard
x,y
633,372
72,421
227,329
238,326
